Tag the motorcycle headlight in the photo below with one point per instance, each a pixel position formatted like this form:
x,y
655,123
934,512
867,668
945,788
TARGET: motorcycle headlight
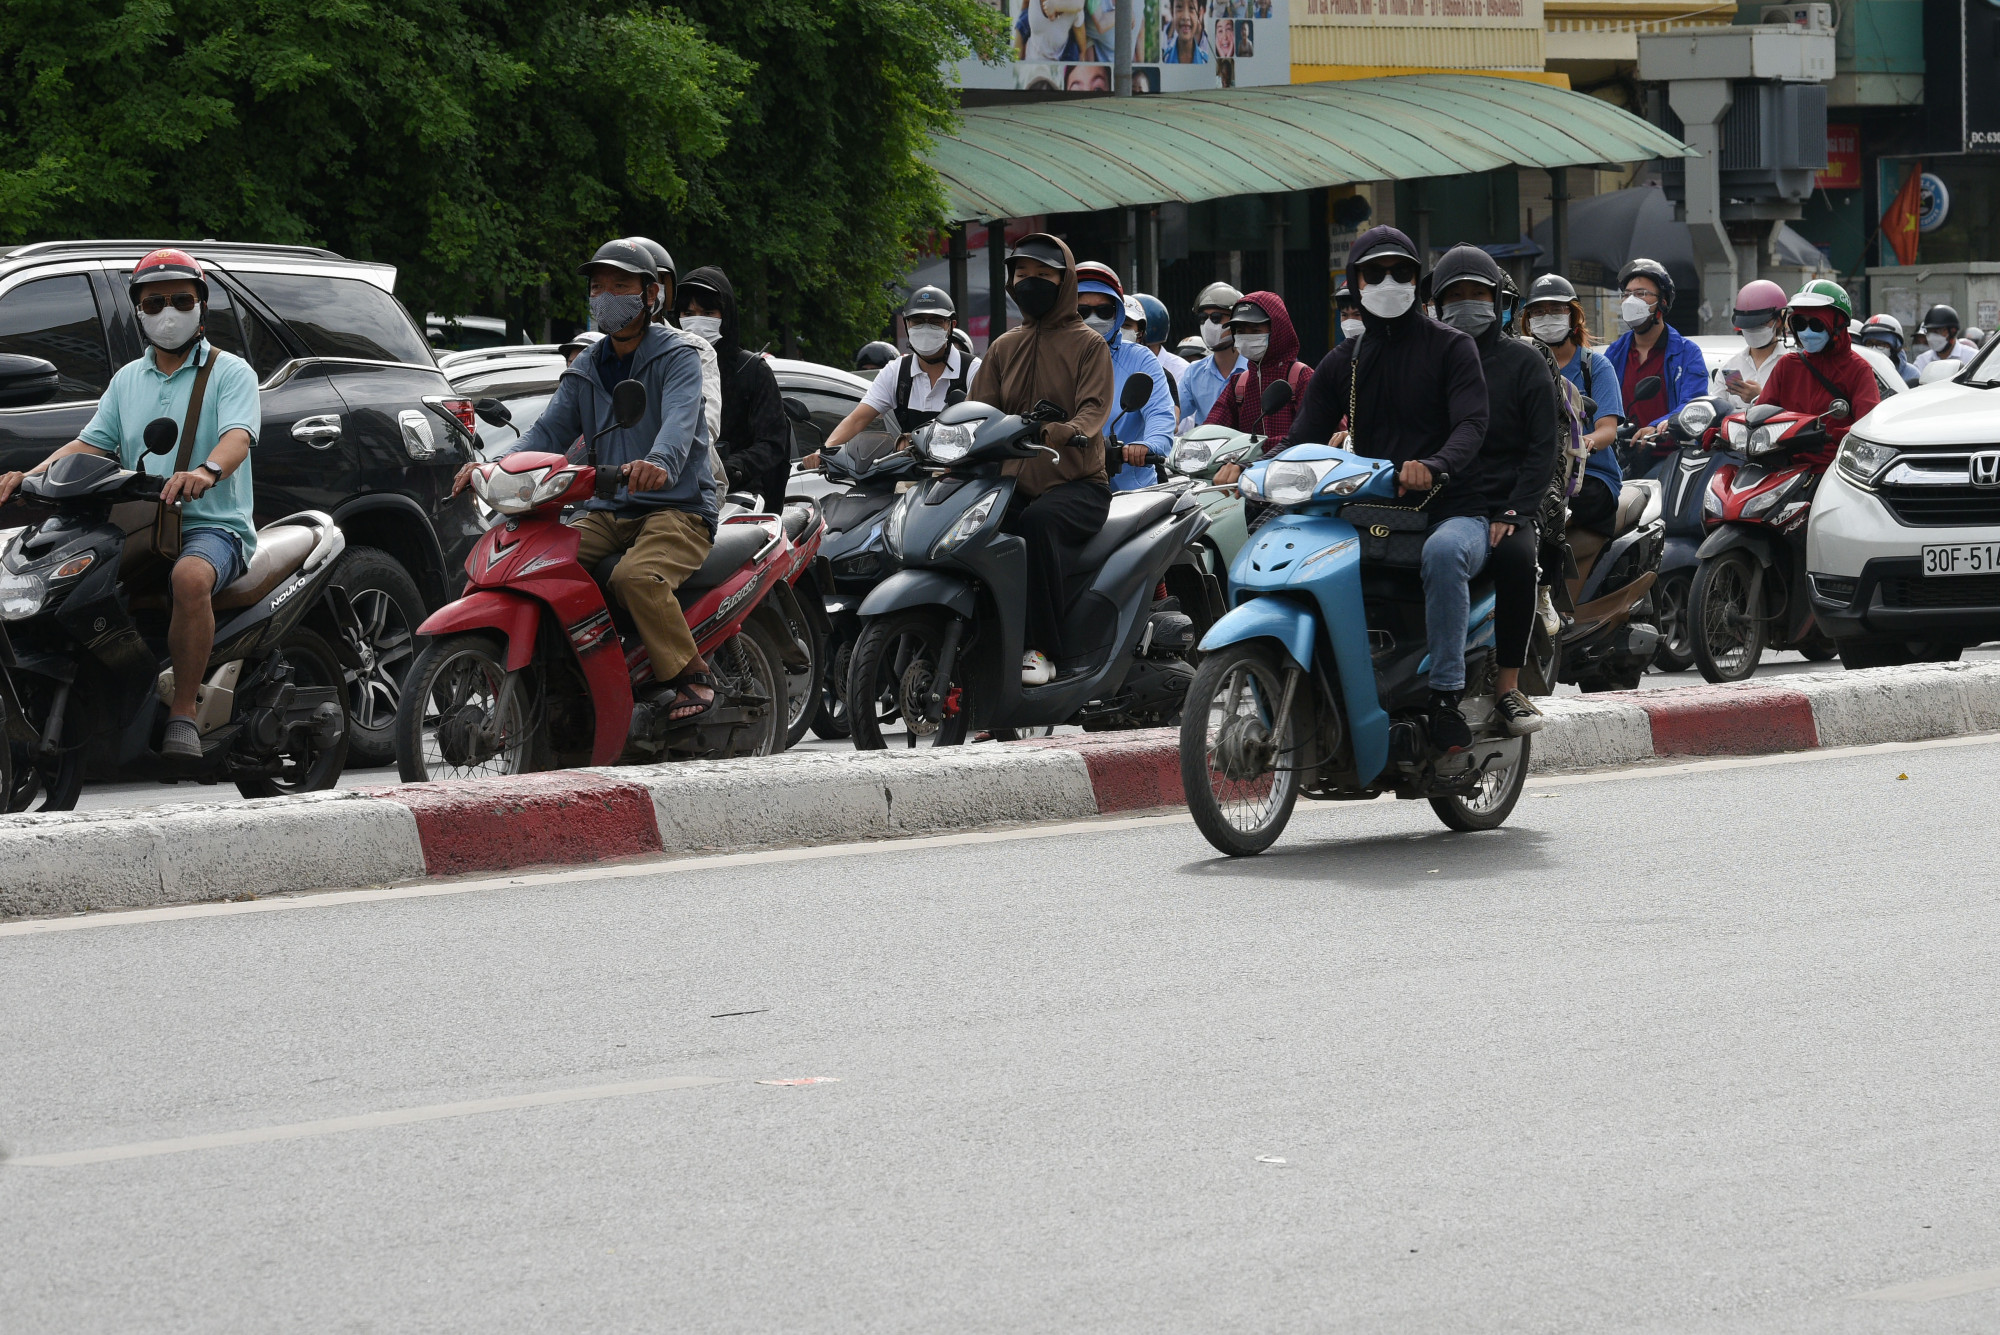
x,y
22,594
1864,460
948,444
1346,486
1191,456
967,524
510,493
1711,504
1762,505
1695,418
1293,481
899,514
1761,441
1736,431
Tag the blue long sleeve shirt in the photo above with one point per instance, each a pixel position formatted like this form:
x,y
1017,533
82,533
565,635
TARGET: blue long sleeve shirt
x,y
1152,425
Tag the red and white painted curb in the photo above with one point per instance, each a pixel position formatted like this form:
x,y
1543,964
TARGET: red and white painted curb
x,y
340,840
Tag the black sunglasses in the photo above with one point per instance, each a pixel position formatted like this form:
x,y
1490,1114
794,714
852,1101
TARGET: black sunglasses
x,y
1816,325
1103,310
1379,271
153,302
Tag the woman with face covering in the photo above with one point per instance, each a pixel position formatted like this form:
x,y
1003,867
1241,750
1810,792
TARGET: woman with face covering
x,y
1061,497
1263,331
1826,367
1555,319
1759,316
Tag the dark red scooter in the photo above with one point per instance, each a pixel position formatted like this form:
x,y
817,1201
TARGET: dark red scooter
x,y
534,668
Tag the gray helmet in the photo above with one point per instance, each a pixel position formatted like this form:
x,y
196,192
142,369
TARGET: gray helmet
x,y
663,269
962,341
874,356
626,253
1653,269
930,301
581,341
1939,317
1217,294
1038,248
1551,287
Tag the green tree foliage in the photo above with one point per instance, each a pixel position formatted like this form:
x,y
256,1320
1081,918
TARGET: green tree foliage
x,y
483,145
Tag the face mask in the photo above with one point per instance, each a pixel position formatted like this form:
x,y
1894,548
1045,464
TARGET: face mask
x,y
1759,338
1101,325
1214,334
1253,346
1035,296
927,340
1551,329
1635,313
1474,317
172,330
1814,340
706,327
1352,328
1937,342
612,311
1389,299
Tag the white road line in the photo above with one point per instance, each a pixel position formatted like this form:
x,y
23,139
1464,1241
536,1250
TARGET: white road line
x,y
720,861
257,1135
1928,1290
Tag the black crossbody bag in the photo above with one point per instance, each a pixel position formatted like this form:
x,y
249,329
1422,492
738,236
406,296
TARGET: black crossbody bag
x,y
1391,535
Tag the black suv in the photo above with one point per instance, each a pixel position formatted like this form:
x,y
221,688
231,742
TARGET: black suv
x,y
358,420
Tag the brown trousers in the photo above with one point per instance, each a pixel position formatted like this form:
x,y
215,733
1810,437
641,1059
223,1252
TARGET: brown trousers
x,y
661,550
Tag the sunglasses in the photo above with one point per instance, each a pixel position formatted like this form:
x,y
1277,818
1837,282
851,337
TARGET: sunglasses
x,y
1103,311
153,303
1382,271
1816,326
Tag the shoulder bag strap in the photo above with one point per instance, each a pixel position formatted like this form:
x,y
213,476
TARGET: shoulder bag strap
x,y
904,371
1825,384
193,422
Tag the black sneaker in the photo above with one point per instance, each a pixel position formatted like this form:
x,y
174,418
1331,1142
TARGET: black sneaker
x,y
1518,714
1449,733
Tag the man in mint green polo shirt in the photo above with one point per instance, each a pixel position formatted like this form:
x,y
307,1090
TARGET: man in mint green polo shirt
x,y
170,294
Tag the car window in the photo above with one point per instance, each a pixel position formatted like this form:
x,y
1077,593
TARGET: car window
x,y
827,411
56,319
493,440
234,329
342,317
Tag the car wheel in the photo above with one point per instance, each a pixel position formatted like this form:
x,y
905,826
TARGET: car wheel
x,y
389,608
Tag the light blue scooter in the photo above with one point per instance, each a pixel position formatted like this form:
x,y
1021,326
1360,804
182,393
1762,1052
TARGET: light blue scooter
x,y
1317,679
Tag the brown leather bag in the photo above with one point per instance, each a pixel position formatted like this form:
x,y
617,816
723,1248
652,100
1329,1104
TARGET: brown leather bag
x,y
167,528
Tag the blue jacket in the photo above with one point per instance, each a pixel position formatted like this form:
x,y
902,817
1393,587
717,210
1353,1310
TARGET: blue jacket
x,y
673,434
1200,387
1152,425
1686,373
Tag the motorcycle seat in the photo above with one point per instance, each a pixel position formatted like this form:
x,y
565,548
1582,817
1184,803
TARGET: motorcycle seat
x,y
1131,512
798,517
281,550
1632,499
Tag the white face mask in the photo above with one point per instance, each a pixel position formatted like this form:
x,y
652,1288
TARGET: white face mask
x,y
708,327
927,340
1253,346
1937,342
171,330
1760,337
1635,313
1353,328
1389,299
1214,334
1101,325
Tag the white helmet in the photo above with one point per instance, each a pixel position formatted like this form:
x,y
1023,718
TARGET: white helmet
x,y
1217,294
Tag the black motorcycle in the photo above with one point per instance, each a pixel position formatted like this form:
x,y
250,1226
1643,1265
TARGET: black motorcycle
x,y
84,607
942,638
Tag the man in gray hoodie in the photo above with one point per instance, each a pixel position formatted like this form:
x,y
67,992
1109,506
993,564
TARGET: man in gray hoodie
x,y
663,517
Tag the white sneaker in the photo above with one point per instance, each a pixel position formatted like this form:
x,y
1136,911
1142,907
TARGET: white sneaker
x,y
1036,669
1552,621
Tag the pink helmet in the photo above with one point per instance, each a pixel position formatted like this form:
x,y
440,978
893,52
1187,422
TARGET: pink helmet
x,y
1758,303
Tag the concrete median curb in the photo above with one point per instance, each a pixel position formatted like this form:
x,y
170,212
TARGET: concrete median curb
x,y
79,861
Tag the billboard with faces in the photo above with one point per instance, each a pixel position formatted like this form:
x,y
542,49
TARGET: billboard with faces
x,y
1067,46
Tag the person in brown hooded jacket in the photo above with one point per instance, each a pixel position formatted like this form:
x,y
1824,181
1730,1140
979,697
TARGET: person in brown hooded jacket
x,y
1060,502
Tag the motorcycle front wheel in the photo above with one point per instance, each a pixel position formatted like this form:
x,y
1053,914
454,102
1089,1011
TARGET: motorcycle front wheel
x,y
53,783
895,666
1238,768
1671,603
1728,642
463,715
830,723
315,665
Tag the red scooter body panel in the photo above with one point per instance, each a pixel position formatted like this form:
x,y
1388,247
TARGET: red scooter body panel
x,y
515,617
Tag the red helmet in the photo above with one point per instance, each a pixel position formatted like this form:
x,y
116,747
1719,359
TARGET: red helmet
x,y
162,265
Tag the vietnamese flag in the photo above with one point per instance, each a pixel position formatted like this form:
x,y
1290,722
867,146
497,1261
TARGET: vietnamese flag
x,y
1899,224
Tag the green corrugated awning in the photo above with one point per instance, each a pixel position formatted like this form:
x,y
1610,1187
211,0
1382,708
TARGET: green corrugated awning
x,y
1101,153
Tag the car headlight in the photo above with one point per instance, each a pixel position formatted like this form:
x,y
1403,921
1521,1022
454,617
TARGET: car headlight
x,y
966,525
514,493
1864,460
1695,418
899,514
948,444
1737,431
1760,442
22,594
1293,481
1191,456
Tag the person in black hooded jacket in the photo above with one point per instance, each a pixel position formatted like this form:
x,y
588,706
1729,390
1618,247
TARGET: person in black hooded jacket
x,y
1512,468
756,443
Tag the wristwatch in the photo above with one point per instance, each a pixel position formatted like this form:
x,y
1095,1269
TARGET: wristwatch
x,y
211,466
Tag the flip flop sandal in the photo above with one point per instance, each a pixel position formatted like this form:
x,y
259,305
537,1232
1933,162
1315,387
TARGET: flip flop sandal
x,y
683,698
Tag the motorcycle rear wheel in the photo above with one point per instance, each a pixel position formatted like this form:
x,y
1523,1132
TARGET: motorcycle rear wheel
x,y
748,664
895,663
1727,643
463,715
802,696
1241,784
831,724
313,664
1672,600
1488,808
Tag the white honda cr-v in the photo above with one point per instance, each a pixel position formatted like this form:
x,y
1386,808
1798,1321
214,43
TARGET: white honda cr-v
x,y
1903,542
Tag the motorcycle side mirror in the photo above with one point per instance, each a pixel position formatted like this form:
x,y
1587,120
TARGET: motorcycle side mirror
x,y
1048,410
493,412
1589,410
1838,408
1138,392
1276,395
953,396
628,402
1646,388
161,435
797,411
26,381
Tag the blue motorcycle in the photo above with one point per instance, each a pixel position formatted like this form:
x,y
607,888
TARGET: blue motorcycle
x,y
1317,679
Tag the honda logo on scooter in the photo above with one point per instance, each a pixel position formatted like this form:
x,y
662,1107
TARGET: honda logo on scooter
x,y
1984,468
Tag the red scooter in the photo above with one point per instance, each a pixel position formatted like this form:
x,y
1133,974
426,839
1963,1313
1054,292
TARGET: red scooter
x,y
1749,590
534,668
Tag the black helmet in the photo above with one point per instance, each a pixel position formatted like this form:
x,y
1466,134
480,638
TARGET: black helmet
x,y
1939,317
1248,312
1551,287
1462,263
663,269
874,356
1653,269
625,253
930,301
1041,248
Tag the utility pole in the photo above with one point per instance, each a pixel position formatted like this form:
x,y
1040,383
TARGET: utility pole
x,y
996,279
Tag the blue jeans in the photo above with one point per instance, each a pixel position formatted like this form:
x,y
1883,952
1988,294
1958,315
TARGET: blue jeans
x,y
1454,552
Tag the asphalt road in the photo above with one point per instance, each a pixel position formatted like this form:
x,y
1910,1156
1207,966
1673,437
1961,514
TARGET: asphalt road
x,y
1709,1048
